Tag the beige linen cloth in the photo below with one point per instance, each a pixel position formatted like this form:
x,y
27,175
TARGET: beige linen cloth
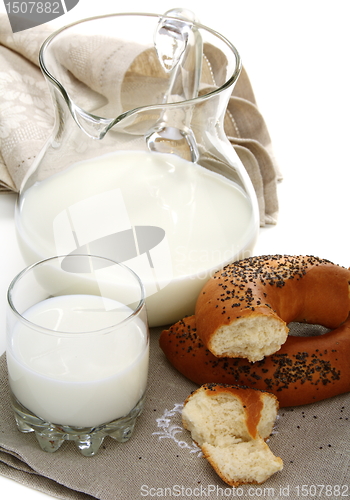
x,y
160,459
26,118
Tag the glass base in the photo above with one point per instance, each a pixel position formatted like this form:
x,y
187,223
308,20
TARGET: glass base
x,y
87,439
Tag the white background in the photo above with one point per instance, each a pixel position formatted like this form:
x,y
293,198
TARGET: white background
x,y
296,53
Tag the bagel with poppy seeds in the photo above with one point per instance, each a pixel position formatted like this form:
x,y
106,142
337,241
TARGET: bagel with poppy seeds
x,y
303,371
244,309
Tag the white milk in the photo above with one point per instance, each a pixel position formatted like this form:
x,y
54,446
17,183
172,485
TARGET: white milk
x,y
78,379
208,221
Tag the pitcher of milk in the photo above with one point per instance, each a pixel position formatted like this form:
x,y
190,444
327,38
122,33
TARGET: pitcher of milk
x,y
138,167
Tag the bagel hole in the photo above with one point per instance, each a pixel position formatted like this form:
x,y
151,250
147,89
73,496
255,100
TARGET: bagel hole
x,y
297,329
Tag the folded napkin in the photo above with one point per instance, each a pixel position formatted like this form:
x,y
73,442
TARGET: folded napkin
x,y
26,117
161,460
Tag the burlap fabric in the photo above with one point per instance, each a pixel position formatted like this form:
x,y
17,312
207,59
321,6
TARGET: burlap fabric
x,y
160,459
26,116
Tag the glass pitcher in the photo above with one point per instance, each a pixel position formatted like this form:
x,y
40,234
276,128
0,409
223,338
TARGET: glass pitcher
x,y
138,168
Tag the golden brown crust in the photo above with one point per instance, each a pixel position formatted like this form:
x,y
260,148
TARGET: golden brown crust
x,y
303,371
290,288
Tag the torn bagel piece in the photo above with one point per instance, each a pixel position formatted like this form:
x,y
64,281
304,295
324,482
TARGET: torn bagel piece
x,y
231,424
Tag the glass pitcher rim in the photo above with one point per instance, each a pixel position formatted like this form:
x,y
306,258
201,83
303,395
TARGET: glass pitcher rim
x,y
112,121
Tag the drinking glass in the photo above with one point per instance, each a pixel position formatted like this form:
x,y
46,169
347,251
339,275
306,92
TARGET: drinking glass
x,y
77,351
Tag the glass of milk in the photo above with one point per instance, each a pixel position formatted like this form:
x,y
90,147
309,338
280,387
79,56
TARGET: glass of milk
x,y
77,351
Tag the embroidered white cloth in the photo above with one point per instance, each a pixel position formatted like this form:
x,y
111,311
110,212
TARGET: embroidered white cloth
x,y
27,117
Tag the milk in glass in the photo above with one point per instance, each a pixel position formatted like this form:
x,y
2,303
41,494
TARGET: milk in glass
x,y
79,379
